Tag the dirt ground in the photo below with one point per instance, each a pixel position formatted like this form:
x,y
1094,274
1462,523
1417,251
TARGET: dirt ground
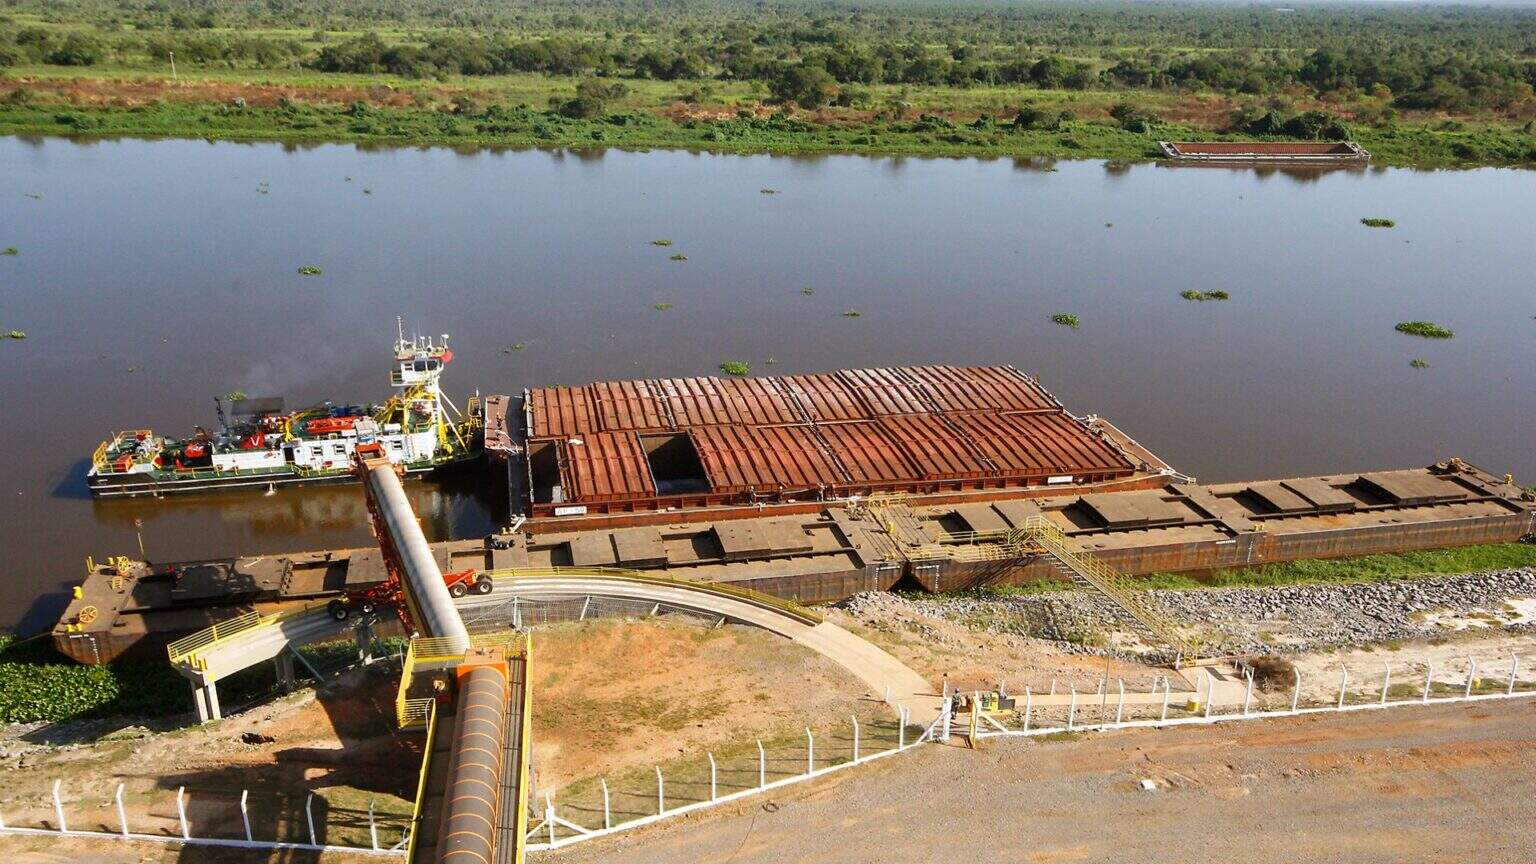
x,y
614,695
614,700
339,744
1440,784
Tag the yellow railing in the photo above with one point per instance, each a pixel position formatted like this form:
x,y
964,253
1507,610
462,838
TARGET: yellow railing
x,y
188,650
421,781
1118,587
99,458
758,598
413,712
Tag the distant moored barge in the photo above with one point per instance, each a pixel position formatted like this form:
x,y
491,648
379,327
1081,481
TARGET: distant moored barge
x,y
1264,151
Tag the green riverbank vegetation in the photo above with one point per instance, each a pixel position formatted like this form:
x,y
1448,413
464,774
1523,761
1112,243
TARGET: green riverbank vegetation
x,y
1420,85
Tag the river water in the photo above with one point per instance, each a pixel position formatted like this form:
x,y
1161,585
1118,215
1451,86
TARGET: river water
x,y
154,275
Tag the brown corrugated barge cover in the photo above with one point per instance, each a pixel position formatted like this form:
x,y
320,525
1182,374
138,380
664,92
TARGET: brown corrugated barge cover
x,y
764,458
720,401
867,454
886,391
982,388
824,398
629,405
1040,444
560,412
607,466
935,448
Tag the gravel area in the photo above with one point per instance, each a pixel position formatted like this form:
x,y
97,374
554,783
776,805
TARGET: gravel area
x,y
1294,618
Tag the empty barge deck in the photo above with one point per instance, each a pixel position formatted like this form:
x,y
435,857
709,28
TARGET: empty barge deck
x,y
833,550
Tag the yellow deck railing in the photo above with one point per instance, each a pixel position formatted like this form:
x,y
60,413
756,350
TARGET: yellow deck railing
x,y
189,650
722,589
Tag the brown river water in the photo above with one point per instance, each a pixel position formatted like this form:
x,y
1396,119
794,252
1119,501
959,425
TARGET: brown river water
x,y
154,275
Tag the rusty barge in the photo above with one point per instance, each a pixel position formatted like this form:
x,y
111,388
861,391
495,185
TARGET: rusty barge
x,y
837,549
816,487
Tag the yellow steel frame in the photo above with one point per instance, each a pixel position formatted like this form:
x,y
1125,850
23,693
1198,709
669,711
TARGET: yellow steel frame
x,y
440,652
421,781
788,607
524,751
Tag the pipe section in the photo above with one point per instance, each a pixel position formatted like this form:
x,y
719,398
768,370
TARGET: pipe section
x,y
430,604
469,827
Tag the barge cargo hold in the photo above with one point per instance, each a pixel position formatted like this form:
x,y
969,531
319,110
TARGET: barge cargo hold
x,y
663,450
842,548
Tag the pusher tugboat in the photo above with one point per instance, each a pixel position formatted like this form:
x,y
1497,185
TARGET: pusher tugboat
x,y
259,445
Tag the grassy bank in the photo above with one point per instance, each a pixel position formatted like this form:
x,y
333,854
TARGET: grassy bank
x,y
519,127
1337,571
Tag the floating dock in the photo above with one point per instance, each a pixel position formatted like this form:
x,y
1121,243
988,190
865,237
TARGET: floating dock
x,y
840,548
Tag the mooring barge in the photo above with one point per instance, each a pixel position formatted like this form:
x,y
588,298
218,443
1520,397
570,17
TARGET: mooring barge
x,y
840,548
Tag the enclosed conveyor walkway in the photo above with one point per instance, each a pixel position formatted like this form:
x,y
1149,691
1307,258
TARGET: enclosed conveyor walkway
x,y
481,812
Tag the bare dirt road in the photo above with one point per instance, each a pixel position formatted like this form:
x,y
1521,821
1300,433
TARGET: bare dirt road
x,y
1444,783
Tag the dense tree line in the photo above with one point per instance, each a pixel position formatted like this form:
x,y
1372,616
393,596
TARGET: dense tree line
x,y
1454,59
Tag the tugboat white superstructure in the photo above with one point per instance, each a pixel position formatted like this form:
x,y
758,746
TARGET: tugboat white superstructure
x,y
260,445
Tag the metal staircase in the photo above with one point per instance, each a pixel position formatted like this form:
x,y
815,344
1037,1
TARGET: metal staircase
x,y
1038,535
1116,586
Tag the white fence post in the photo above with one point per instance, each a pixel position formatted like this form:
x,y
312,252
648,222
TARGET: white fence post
x,y
1471,676
58,806
607,814
855,720
1053,686
1029,699
762,765
713,794
1210,691
1072,710
810,751
245,816
1386,682
661,793
1296,693
122,813
373,827
1120,706
1248,693
309,818
181,812
1514,666
1429,675
1167,692
549,814
1343,682
901,729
